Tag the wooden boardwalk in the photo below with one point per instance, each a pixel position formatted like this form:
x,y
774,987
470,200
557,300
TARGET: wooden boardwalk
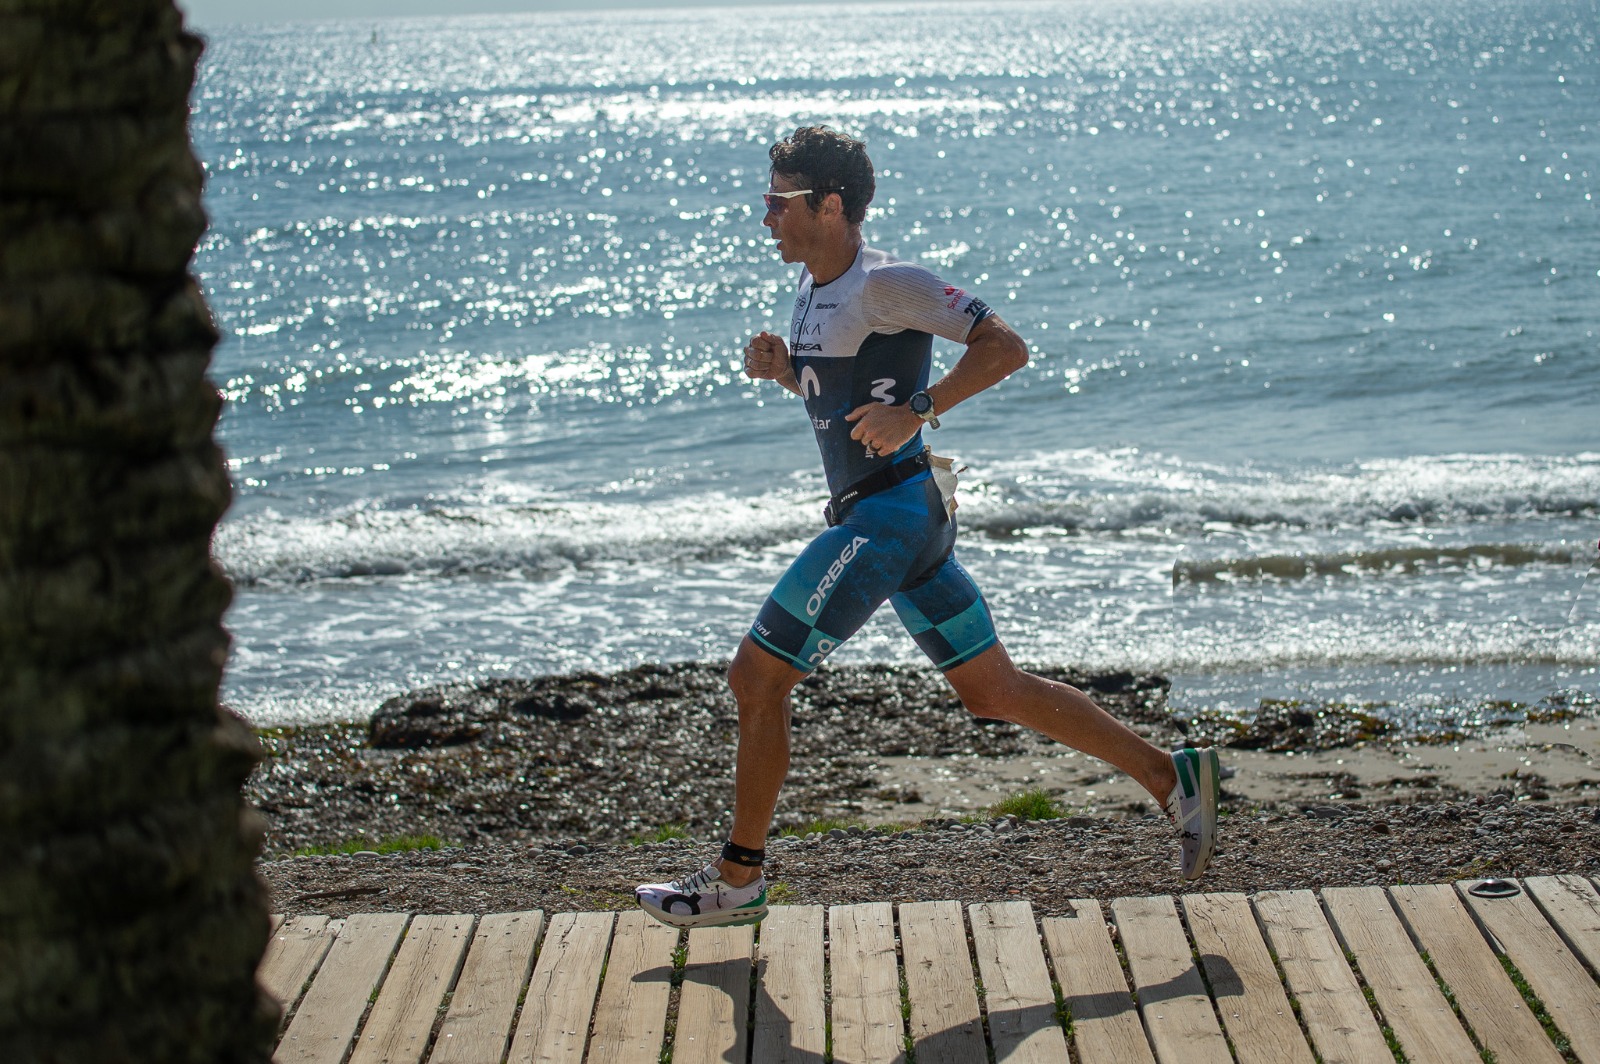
x,y
1280,976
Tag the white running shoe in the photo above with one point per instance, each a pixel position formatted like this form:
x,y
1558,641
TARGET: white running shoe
x,y
1192,807
704,900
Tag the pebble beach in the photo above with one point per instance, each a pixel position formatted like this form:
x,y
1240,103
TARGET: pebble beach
x,y
561,793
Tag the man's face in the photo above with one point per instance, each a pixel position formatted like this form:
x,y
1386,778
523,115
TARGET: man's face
x,y
796,228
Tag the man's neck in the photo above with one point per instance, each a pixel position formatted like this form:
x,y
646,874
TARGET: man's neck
x,y
831,264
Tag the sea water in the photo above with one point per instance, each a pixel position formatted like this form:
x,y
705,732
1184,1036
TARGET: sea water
x,y
1311,287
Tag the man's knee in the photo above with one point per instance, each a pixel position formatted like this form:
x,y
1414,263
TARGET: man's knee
x,y
991,689
985,704
758,679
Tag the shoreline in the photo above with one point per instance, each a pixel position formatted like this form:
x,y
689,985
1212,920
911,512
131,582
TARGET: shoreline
x,y
610,756
539,791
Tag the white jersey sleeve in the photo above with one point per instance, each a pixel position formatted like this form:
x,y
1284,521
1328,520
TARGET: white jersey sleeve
x,y
903,295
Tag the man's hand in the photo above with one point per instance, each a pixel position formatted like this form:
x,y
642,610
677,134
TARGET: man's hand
x,y
766,358
882,428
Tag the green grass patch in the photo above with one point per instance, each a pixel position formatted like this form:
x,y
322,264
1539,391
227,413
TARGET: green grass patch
x,y
1035,804
397,844
905,1021
661,834
1487,1055
1395,1048
680,962
1562,1043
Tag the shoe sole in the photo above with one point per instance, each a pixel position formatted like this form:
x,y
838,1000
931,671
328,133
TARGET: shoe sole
x,y
1210,784
724,918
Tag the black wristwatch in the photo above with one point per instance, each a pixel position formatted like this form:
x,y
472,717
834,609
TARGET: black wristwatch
x,y
921,404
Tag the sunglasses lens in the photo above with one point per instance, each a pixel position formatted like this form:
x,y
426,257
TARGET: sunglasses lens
x,y
775,204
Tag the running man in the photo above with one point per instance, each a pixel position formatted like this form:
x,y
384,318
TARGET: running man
x,y
859,354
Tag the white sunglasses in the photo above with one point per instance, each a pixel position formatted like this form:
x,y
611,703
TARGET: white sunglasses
x,y
778,201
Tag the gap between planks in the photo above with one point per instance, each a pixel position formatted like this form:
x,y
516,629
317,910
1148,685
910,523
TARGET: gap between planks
x,y
895,975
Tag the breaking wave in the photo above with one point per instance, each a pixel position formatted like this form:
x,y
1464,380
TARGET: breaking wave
x,y
269,548
1095,492
1087,493
1388,561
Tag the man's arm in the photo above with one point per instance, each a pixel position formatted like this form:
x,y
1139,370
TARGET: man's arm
x,y
766,357
993,353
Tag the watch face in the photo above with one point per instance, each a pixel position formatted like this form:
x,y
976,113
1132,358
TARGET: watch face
x,y
921,403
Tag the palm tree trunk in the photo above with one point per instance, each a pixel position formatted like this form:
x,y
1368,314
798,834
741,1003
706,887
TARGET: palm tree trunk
x,y
131,918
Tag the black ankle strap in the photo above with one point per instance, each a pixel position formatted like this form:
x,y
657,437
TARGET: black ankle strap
x,y
742,855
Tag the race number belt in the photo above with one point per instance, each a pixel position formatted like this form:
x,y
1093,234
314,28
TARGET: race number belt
x,y
872,483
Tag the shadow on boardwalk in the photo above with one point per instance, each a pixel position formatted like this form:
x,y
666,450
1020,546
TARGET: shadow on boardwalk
x,y
1344,973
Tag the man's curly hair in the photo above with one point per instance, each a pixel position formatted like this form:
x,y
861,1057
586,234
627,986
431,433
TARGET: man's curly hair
x,y
819,157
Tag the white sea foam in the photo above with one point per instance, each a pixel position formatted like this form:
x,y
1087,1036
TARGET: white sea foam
x,y
269,547
1091,493
1096,491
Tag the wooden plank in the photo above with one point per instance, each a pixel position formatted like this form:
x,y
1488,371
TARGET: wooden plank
x,y
1105,1020
1559,979
1332,1007
1484,993
326,1022
1422,1020
1017,996
1244,981
554,1025
400,1024
946,1027
296,948
867,1026
478,1025
1572,906
275,921
715,1001
631,1017
1177,1012
791,1006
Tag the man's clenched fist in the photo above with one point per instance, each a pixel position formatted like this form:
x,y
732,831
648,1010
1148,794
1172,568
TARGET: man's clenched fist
x,y
766,358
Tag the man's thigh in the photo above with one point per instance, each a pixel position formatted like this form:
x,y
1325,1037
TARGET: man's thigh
x,y
947,616
828,593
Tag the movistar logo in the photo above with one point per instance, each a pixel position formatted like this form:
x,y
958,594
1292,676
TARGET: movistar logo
x,y
831,577
809,385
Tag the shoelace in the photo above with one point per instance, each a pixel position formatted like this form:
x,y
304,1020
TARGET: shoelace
x,y
697,882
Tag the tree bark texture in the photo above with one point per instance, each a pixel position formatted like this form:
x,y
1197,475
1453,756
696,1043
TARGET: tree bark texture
x,y
131,918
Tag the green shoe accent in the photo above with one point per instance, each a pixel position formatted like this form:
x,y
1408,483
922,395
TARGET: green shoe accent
x,y
1186,761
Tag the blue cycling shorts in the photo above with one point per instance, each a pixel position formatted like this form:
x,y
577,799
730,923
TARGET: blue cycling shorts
x,y
894,546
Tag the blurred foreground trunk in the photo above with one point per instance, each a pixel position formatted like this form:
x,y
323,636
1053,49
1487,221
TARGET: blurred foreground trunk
x,y
130,915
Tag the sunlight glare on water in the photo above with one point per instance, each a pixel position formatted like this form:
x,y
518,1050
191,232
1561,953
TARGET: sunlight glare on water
x,y
1315,279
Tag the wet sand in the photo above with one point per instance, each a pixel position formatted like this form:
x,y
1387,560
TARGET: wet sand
x,y
1552,761
610,757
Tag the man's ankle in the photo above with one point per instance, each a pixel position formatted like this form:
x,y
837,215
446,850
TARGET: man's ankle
x,y
736,875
